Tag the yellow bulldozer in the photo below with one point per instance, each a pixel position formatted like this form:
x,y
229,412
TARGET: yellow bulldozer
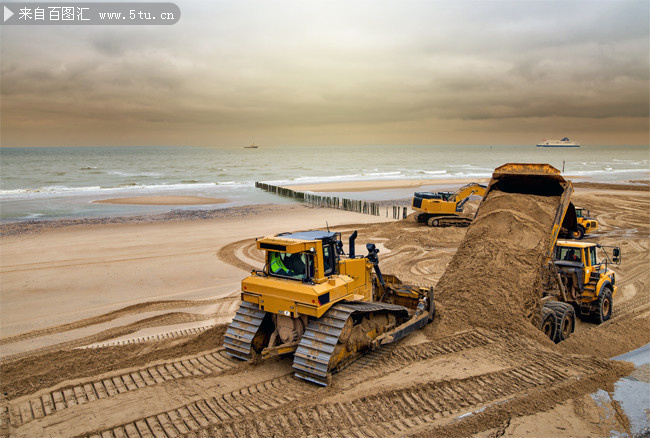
x,y
325,309
445,209
577,282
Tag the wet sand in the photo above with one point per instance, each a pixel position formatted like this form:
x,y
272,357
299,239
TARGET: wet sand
x,y
162,200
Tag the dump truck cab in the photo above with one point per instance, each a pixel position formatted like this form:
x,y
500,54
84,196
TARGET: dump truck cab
x,y
587,283
586,224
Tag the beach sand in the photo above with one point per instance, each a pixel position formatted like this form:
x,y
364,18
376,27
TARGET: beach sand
x,y
64,274
162,290
162,200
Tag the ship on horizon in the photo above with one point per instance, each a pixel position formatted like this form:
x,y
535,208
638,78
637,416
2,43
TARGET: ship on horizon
x,y
564,143
251,146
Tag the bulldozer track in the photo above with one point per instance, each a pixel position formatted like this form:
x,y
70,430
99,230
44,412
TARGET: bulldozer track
x,y
394,356
62,398
629,306
408,354
223,307
103,339
246,402
153,338
239,336
312,358
392,412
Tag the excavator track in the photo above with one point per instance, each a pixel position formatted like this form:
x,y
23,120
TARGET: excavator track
x,y
239,336
312,358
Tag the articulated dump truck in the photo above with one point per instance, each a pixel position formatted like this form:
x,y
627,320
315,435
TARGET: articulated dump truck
x,y
577,283
325,309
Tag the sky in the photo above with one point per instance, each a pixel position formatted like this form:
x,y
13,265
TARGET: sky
x,y
353,72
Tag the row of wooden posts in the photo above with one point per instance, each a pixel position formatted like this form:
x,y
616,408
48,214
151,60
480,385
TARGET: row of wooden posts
x,y
372,208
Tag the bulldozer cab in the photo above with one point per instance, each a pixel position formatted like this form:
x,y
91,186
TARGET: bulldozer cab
x,y
308,256
295,266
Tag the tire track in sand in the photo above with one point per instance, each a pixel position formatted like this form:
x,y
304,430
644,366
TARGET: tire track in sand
x,y
395,356
390,412
243,403
210,363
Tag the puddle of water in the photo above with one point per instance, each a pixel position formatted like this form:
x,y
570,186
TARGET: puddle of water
x,y
633,392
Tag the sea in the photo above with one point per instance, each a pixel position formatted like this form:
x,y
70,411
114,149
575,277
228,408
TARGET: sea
x,y
62,182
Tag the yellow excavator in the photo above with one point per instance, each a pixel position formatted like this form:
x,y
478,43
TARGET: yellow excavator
x,y
445,209
578,282
323,308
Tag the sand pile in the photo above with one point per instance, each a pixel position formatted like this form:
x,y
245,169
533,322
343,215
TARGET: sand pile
x,y
495,278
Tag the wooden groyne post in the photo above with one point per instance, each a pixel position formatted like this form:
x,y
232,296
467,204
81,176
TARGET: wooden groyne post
x,y
365,207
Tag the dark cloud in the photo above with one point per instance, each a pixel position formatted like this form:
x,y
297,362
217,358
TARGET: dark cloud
x,y
371,66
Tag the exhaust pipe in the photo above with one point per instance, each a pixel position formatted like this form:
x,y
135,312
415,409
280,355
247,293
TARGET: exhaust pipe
x,y
351,252
372,257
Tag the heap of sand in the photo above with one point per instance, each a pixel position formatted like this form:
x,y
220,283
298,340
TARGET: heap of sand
x,y
495,278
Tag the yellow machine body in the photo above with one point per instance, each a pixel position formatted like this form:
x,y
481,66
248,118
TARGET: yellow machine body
x,y
586,224
324,308
584,283
581,285
291,298
446,203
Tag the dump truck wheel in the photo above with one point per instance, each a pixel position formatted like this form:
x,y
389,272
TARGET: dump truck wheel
x,y
548,323
565,318
579,233
604,311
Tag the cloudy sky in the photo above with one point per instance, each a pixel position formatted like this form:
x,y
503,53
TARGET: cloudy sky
x,y
351,72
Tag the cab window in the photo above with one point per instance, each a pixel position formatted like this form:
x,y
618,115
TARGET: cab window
x,y
568,254
328,258
592,256
294,266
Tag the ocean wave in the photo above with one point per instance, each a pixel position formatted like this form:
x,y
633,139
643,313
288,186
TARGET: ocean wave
x,y
126,189
607,170
134,174
379,176
382,173
432,172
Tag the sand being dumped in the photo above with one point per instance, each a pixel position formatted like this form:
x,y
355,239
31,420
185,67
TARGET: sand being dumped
x,y
495,278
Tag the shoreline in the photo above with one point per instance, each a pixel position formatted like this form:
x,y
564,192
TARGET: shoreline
x,y
36,225
21,226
